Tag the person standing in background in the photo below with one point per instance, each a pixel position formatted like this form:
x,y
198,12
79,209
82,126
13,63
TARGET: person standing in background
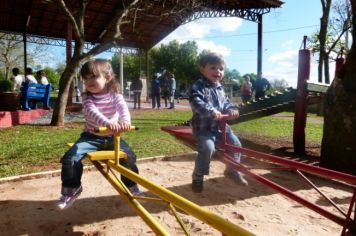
x,y
164,80
156,92
246,89
261,86
172,89
136,88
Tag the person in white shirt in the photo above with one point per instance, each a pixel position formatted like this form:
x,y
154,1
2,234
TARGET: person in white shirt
x,y
41,76
17,79
29,77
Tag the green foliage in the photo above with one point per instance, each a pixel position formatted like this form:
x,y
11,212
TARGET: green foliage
x,y
181,59
332,44
52,76
60,69
2,73
133,65
6,85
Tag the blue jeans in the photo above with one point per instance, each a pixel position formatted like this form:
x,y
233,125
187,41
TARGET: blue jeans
x,y
206,141
72,167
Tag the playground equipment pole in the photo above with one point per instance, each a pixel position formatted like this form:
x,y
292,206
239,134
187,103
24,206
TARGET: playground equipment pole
x,y
300,109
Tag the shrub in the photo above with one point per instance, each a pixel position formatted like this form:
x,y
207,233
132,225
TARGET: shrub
x,y
6,85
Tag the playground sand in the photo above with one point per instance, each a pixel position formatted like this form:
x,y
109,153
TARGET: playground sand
x,y
28,207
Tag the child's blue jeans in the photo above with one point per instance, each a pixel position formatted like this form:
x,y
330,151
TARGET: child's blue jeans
x,y
72,167
206,141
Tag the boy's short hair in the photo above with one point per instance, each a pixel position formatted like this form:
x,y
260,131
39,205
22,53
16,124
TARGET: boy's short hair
x,y
211,58
15,71
28,70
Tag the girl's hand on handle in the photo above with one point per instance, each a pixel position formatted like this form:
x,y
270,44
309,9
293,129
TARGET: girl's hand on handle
x,y
125,127
116,128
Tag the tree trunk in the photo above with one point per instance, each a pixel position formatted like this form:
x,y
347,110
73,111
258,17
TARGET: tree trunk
x,y
326,69
338,150
64,87
324,20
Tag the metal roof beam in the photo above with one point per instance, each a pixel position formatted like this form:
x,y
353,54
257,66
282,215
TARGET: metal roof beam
x,y
246,14
60,42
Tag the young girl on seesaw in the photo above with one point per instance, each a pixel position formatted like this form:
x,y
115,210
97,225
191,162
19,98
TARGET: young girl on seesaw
x,y
103,106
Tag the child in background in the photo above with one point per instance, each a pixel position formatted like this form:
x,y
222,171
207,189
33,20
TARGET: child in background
x,y
17,79
29,78
103,106
209,102
41,77
246,89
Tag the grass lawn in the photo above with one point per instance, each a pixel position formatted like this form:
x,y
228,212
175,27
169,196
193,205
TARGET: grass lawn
x,y
31,148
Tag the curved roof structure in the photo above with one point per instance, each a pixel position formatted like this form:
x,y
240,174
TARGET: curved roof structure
x,y
145,26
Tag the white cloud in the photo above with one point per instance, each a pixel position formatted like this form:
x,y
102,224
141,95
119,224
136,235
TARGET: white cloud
x,y
223,24
283,56
212,46
283,65
199,29
288,45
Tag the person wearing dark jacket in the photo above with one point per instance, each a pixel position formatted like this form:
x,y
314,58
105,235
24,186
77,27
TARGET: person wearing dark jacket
x,y
136,88
156,92
261,86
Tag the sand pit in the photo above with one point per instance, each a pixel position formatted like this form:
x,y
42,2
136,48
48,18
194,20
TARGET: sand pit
x,y
28,207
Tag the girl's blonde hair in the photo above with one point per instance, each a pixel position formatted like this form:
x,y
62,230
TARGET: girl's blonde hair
x,y
97,67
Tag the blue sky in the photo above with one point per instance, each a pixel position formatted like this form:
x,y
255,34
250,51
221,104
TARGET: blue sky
x,y
236,39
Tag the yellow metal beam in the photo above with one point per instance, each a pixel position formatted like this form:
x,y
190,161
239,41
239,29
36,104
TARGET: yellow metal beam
x,y
105,155
127,196
215,221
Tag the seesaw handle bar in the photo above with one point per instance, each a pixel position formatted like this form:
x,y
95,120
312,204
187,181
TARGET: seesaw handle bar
x,y
104,129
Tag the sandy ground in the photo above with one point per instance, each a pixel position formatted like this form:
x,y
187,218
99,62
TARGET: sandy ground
x,y
28,207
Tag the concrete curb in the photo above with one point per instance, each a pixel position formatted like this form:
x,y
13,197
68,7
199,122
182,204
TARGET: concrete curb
x,y
55,173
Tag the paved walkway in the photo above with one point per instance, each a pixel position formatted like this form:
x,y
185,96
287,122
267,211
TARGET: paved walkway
x,y
78,116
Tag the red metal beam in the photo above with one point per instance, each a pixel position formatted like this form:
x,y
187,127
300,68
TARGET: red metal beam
x,y
337,219
351,179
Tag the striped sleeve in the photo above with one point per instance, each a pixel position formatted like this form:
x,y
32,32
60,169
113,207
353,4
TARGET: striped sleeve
x,y
94,117
122,109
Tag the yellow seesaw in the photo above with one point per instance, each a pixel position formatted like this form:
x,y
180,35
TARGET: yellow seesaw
x,y
107,162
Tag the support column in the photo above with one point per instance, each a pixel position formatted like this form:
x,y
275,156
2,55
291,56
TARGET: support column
x,y
259,47
24,37
300,109
121,71
148,76
68,58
